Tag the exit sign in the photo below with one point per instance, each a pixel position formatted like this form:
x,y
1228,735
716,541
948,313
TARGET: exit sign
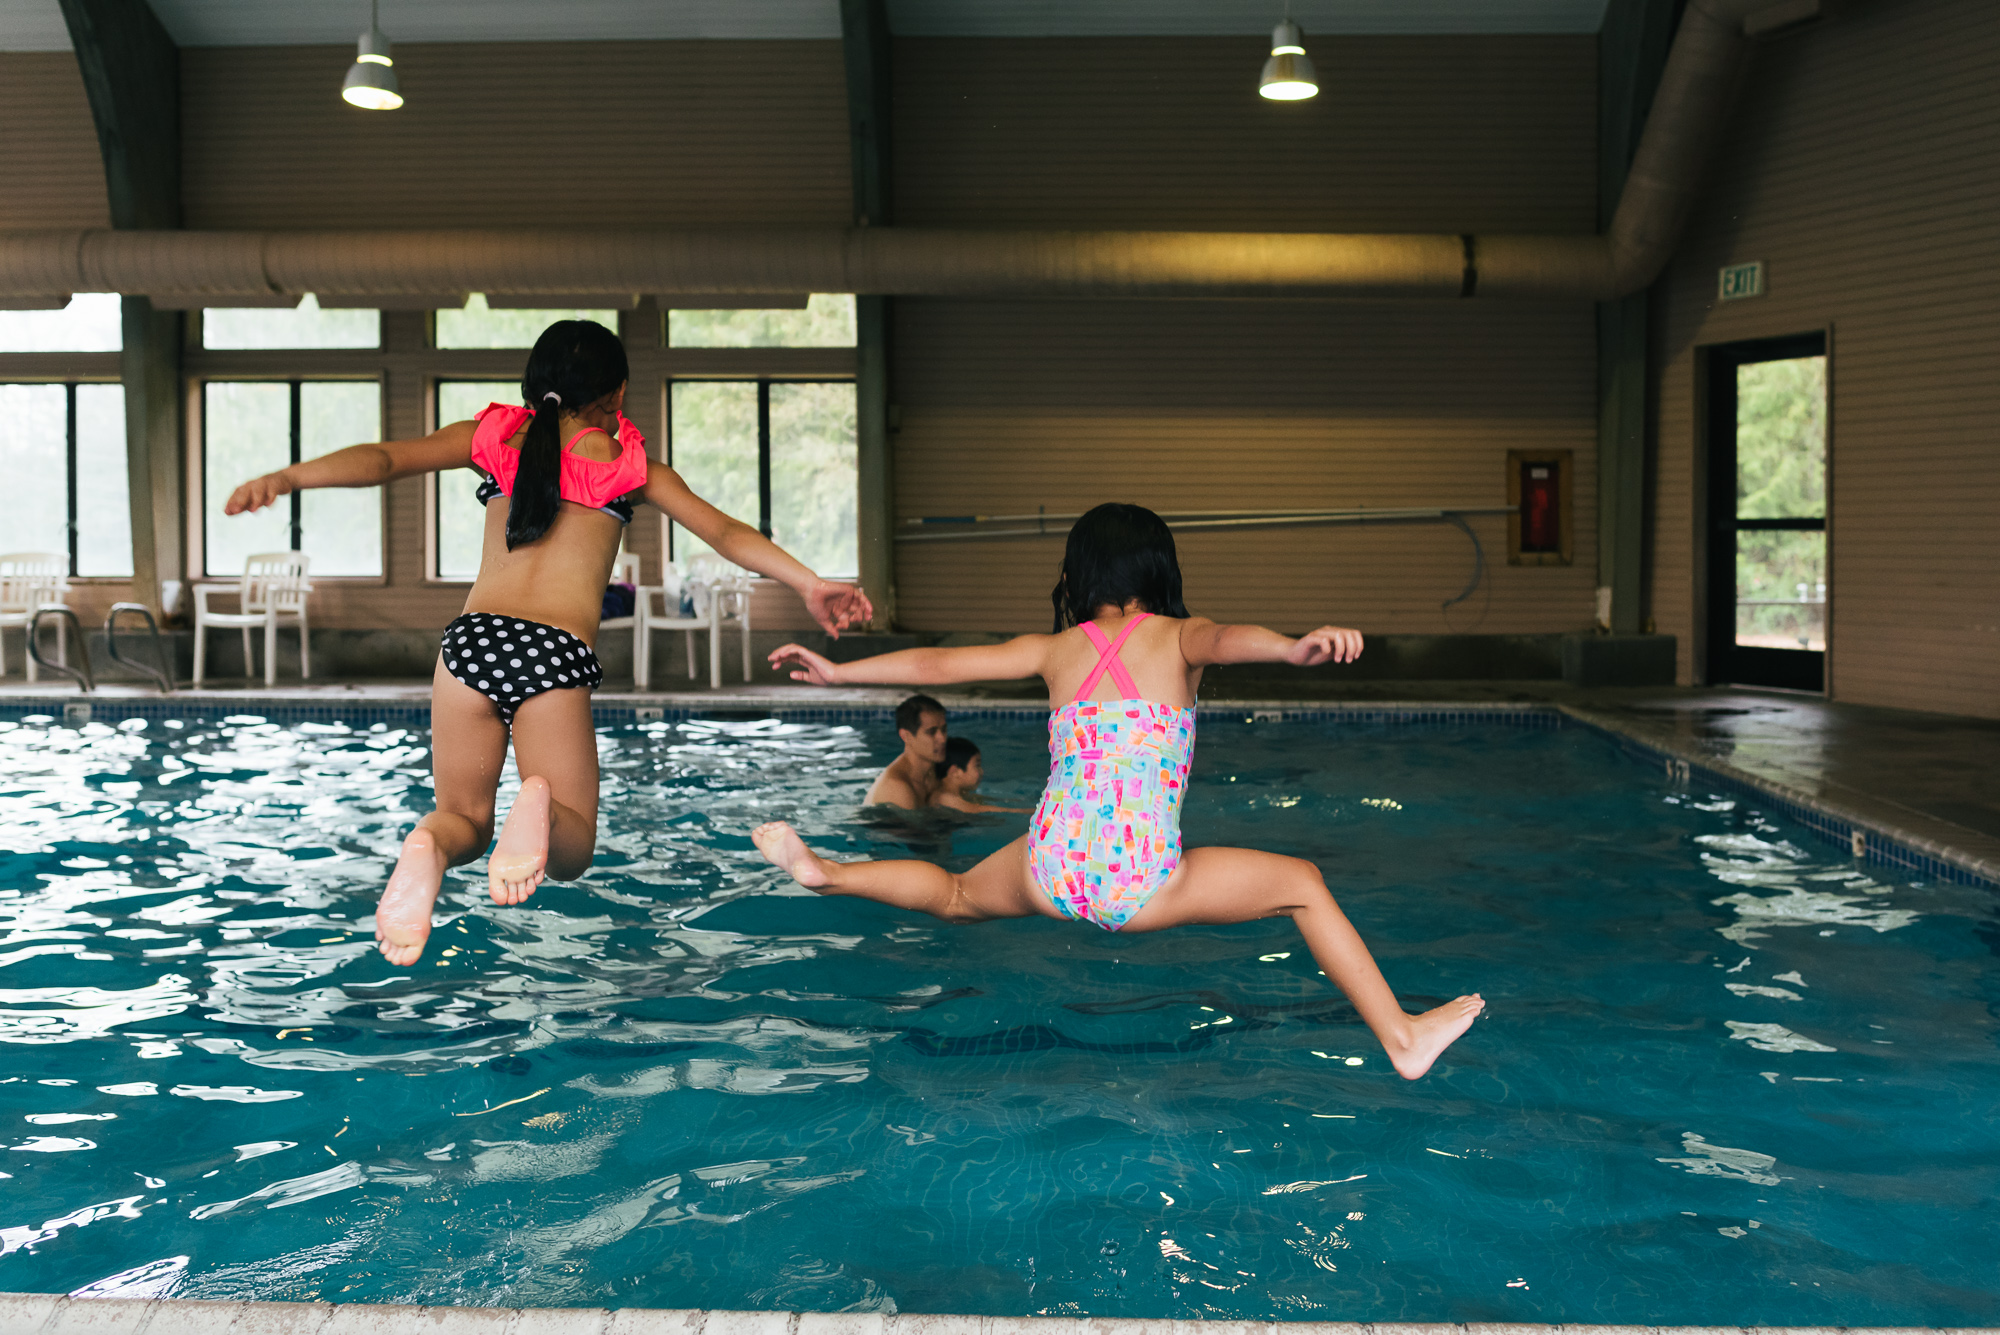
x,y
1737,281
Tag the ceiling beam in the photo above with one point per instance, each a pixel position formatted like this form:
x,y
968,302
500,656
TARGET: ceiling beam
x,y
132,75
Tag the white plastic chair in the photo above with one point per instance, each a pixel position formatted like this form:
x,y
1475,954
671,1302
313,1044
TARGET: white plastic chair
x,y
30,580
729,597
274,586
658,609
625,570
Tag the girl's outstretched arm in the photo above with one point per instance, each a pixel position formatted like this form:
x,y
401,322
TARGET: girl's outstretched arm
x,y
834,606
1204,643
1022,656
360,466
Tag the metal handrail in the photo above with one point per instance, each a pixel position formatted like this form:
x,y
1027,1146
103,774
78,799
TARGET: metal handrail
x,y
82,677
163,672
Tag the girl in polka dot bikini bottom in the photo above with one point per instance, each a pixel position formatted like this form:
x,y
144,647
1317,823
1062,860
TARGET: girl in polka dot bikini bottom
x,y
559,479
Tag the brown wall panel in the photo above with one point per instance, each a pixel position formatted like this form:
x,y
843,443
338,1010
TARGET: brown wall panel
x,y
519,134
1007,407
1861,168
52,173
1454,134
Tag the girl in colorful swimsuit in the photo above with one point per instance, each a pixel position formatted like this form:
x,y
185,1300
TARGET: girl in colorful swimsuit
x,y
561,475
1104,845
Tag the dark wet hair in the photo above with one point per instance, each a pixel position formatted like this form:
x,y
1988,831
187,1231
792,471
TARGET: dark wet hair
x,y
579,362
958,753
1117,553
910,714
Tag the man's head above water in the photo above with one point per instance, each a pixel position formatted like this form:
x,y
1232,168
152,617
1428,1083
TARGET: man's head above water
x,y
920,722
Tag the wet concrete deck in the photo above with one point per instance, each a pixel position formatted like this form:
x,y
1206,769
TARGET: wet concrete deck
x,y
48,1314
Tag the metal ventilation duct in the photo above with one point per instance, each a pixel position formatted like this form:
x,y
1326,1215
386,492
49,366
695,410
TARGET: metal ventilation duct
x,y
1697,89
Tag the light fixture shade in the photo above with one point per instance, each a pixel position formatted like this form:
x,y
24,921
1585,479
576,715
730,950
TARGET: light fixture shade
x,y
371,87
1288,74
371,81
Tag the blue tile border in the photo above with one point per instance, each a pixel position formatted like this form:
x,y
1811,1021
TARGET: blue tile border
x,y
1883,846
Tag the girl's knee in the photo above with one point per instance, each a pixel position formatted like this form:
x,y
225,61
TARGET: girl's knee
x,y
1307,873
570,863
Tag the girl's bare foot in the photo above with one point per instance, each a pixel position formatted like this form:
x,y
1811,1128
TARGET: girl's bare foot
x,y
522,855
403,918
781,846
1431,1033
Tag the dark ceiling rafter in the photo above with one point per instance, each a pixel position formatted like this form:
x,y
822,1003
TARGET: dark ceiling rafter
x,y
132,74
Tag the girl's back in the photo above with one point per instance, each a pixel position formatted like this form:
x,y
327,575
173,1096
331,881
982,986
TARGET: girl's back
x,y
1151,653
560,578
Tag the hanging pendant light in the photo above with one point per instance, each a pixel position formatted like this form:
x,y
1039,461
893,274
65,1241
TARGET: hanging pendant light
x,y
1288,74
371,81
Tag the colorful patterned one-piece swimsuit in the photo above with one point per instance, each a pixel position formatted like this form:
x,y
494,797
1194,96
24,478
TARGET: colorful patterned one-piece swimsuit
x,y
1107,832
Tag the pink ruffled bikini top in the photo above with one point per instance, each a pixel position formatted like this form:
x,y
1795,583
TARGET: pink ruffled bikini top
x,y
601,484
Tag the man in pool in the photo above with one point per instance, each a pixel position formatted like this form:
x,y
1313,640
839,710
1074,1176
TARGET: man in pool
x,y
912,779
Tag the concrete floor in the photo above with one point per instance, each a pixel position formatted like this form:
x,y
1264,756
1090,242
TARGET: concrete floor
x,y
1930,780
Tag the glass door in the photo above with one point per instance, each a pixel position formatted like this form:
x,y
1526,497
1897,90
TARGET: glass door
x,y
1767,565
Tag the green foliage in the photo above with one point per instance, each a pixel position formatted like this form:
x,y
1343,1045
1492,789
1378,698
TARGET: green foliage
x,y
1781,474
1781,439
478,326
826,322
813,461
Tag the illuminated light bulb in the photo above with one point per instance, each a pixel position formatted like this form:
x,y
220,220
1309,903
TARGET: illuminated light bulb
x,y
371,80
1288,74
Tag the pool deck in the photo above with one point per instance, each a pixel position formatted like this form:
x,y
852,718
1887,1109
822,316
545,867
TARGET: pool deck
x,y
49,1314
1928,782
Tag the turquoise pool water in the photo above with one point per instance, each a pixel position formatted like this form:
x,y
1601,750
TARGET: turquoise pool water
x,y
1729,1076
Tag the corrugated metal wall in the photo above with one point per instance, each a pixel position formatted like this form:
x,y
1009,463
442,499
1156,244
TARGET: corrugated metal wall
x,y
1861,171
49,163
1007,406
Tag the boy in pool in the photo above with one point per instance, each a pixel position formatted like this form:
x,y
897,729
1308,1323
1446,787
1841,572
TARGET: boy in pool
x,y
1104,845
959,775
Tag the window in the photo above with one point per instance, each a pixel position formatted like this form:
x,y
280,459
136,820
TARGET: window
x,y
778,454
90,323
252,427
826,322
461,520
62,452
303,326
479,326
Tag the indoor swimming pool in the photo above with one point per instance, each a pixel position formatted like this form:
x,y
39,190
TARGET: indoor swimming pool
x,y
1727,1074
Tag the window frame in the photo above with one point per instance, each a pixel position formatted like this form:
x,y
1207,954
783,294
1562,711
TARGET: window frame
x,y
433,497
763,381
1723,660
196,386
69,385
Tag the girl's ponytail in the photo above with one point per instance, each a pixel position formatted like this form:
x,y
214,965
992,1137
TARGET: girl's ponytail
x,y
538,480
574,364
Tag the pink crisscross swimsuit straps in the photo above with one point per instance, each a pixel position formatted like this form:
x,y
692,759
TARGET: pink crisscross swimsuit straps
x,y
1107,832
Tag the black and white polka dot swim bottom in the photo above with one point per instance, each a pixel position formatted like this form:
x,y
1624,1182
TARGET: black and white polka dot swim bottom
x,y
507,659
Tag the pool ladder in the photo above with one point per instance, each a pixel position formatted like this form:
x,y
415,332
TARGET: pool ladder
x,y
160,670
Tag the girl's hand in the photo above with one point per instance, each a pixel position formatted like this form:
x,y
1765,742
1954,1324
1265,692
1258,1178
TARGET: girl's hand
x,y
818,671
835,607
1335,643
258,492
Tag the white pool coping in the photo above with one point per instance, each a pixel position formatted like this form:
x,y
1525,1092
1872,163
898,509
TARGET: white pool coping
x,y
55,1314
